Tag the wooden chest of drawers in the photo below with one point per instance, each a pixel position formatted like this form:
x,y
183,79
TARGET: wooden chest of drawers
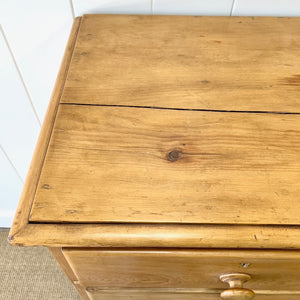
x,y
168,163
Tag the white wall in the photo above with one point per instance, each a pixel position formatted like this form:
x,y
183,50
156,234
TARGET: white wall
x,y
33,35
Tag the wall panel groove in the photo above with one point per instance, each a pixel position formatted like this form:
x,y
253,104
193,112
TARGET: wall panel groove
x,y
20,75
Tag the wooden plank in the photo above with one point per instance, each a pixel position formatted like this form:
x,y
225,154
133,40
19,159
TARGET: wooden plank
x,y
220,63
24,207
182,291
138,165
61,260
159,235
151,294
168,268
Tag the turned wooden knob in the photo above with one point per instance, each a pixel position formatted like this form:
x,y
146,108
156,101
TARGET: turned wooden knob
x,y
236,290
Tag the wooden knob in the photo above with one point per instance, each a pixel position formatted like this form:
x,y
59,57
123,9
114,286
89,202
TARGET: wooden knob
x,y
236,291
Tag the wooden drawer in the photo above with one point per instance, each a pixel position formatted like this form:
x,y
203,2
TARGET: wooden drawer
x,y
99,295
188,269
125,295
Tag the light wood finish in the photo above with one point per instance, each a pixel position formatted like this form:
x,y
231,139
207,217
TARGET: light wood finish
x,y
25,203
169,143
124,235
158,296
108,164
237,294
99,295
167,268
224,63
59,257
158,235
236,282
152,294
178,291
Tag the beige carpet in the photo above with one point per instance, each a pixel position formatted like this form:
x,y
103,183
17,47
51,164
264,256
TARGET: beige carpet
x,y
31,274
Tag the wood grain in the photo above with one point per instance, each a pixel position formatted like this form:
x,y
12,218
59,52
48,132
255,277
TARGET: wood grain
x,y
24,207
169,268
170,142
108,164
150,294
159,235
60,259
160,296
224,63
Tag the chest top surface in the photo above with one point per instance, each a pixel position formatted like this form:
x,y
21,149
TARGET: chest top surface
x,y
174,120
214,63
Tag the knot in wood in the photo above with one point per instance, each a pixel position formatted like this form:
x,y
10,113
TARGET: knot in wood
x,y
173,155
46,186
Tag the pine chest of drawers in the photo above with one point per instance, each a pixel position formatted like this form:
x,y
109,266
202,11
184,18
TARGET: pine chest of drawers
x,y
168,163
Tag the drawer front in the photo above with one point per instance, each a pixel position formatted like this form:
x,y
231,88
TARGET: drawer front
x,y
269,270
161,296
125,295
148,295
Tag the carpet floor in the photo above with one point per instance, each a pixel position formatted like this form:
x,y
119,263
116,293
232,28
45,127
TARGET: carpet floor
x,y
31,274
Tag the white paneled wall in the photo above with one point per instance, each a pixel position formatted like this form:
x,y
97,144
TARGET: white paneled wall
x,y
32,41
19,126
37,32
112,7
33,36
278,8
192,7
10,190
